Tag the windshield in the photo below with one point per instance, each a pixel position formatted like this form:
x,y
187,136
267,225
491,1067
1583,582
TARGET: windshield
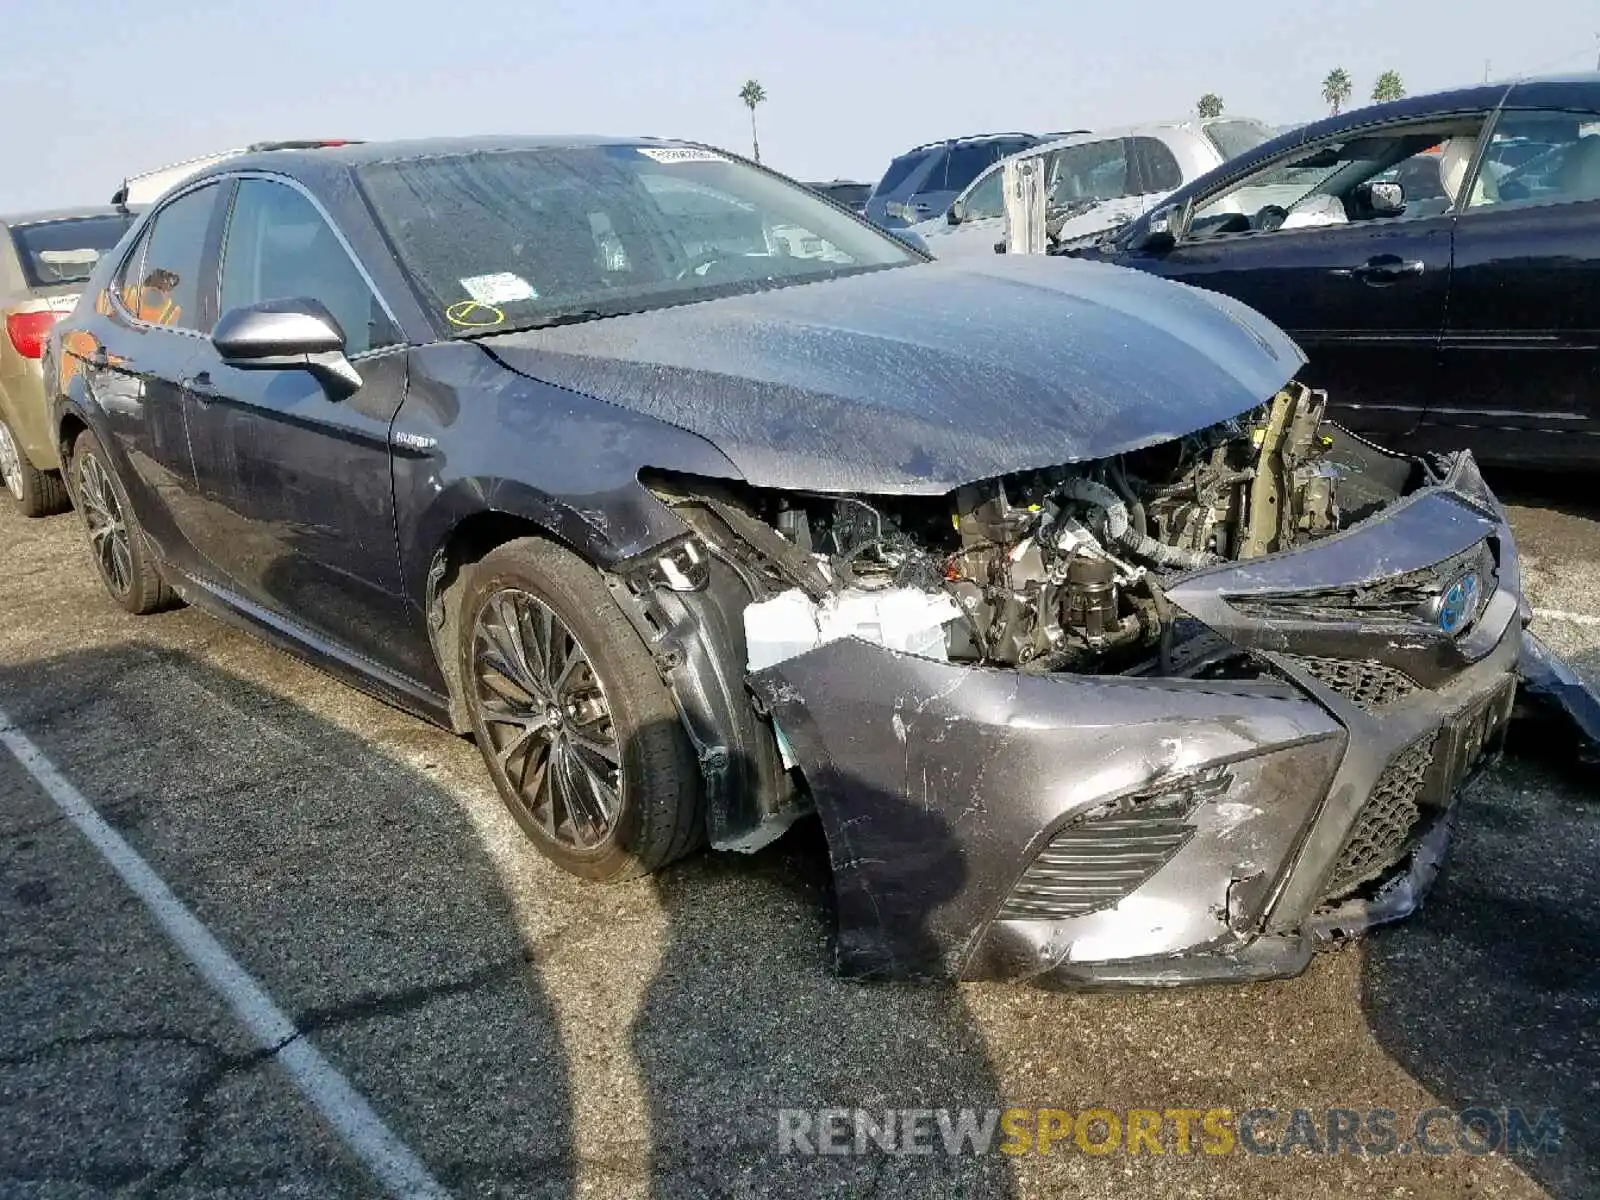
x,y
899,169
510,239
1233,138
66,251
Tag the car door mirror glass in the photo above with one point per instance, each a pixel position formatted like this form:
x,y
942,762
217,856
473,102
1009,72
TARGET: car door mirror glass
x,y
1380,198
956,214
1164,228
278,335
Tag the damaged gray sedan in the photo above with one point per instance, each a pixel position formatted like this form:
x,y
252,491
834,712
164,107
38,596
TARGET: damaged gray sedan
x,y
1102,656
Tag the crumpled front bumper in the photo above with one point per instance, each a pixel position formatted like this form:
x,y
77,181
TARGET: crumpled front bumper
x,y
1079,830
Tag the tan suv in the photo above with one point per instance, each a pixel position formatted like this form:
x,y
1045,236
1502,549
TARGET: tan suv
x,y
44,260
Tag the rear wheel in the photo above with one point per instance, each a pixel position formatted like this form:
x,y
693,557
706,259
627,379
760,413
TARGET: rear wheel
x,y
579,733
37,493
121,554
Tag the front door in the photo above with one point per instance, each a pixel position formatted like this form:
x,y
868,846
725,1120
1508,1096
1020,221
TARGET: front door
x,y
298,482
1521,347
1346,244
1365,301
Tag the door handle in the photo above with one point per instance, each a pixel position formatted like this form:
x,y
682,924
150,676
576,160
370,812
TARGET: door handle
x,y
1386,268
199,386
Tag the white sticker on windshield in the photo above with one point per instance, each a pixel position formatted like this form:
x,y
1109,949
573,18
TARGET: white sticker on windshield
x,y
680,154
501,288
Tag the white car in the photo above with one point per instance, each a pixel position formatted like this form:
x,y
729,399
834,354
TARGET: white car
x,y
145,189
1094,180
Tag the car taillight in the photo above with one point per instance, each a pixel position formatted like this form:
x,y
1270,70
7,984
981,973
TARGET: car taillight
x,y
29,330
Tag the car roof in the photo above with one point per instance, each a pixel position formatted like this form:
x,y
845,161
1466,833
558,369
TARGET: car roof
x,y
971,137
43,216
1146,128
320,160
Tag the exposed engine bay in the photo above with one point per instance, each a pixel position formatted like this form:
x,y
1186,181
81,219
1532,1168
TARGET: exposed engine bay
x,y
1052,570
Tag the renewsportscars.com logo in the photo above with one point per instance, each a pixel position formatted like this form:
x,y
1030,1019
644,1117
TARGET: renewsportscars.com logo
x,y
1181,1131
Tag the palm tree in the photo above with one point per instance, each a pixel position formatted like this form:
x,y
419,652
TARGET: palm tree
x,y
752,93
1210,105
1388,87
1336,89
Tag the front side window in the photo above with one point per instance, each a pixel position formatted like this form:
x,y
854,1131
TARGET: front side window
x,y
1338,183
966,163
279,247
1540,158
523,238
166,289
987,199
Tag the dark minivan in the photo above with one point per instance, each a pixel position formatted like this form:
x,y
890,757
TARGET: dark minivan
x,y
921,182
1437,258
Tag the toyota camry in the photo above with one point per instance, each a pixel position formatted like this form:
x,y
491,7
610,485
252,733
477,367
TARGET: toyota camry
x,y
703,506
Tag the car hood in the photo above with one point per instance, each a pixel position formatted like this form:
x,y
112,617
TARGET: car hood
x,y
919,379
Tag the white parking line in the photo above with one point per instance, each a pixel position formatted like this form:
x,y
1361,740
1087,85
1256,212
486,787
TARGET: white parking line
x,y
1556,614
386,1156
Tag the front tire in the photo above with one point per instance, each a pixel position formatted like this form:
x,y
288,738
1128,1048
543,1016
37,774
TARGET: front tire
x,y
121,554
577,729
37,493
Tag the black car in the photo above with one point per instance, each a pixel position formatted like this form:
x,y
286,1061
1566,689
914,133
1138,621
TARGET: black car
x,y
1438,258
701,504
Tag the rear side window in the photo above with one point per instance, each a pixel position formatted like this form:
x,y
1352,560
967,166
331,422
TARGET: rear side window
x,y
55,252
1158,165
166,288
280,248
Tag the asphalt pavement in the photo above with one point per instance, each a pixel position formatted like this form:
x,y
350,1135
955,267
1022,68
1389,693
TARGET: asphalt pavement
x,y
521,1033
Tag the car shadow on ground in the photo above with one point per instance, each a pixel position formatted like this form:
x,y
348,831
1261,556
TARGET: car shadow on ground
x,y
351,886
1490,996
746,1018
1570,492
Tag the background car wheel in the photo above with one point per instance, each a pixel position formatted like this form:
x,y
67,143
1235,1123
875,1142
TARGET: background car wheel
x,y
577,729
37,493
121,555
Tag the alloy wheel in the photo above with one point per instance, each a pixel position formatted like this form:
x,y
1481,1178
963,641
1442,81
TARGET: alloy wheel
x,y
548,720
108,530
10,462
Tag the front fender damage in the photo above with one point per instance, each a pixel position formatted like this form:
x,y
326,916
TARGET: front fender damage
x,y
939,785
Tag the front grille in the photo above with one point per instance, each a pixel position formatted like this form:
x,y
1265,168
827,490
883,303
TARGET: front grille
x,y
1093,865
1366,683
1382,831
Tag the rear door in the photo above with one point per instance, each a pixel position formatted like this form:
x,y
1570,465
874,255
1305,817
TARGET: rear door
x,y
299,482
1521,348
156,318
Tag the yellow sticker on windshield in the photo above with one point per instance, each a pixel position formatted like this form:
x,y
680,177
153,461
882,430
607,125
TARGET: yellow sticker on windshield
x,y
472,314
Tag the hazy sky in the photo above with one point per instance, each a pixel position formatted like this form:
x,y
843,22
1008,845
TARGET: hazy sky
x,y
96,89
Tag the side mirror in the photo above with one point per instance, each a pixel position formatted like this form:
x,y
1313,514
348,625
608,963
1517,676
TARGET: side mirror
x,y
1385,199
287,335
1163,229
956,214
